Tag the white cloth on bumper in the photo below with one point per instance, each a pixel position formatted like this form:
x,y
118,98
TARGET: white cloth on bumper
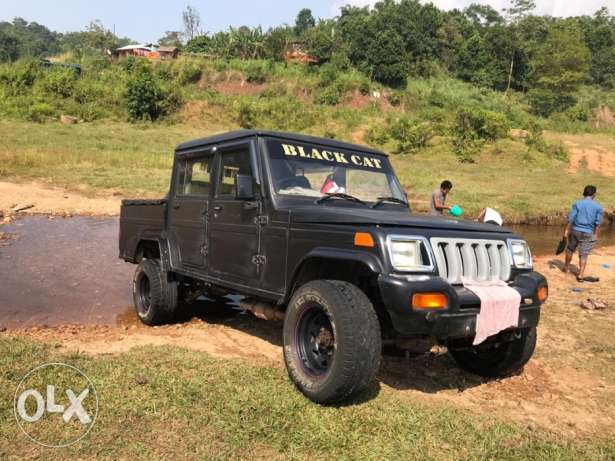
x,y
499,307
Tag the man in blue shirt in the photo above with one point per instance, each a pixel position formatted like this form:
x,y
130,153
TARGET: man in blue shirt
x,y
582,231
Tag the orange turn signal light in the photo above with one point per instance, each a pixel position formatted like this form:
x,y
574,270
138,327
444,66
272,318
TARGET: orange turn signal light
x,y
543,293
363,239
429,301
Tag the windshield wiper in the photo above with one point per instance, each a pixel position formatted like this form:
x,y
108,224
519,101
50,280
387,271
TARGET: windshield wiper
x,y
342,196
383,200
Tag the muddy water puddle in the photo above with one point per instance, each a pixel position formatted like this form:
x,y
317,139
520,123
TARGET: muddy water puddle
x,y
62,271
66,271
543,240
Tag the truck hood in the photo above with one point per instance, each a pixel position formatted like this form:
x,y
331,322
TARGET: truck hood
x,y
345,215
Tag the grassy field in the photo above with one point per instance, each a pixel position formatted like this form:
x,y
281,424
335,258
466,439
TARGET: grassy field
x,y
167,402
135,159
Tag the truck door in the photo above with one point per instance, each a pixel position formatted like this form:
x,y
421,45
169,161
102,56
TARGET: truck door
x,y
189,206
233,231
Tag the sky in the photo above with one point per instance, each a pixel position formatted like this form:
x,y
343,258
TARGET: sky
x,y
146,21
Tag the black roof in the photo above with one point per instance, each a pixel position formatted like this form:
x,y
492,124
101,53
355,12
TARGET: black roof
x,y
240,134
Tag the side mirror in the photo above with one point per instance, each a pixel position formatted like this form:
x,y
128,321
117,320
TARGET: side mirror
x,y
244,187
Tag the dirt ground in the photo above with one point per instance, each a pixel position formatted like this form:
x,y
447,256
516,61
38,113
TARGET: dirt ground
x,y
594,153
43,198
568,387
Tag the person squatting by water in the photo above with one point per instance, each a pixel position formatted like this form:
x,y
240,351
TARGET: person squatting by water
x,y
582,231
438,199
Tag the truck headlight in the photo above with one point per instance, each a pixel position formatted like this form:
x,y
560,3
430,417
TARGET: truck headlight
x,y
409,254
520,254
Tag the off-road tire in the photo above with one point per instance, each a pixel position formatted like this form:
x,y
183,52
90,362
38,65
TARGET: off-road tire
x,y
356,341
507,359
160,305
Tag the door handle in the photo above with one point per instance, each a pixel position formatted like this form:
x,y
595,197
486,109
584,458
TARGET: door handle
x,y
176,206
218,208
250,205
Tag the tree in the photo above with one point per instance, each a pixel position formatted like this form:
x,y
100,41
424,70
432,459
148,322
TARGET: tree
x,y
277,41
30,39
171,38
475,62
561,64
8,47
599,35
483,15
321,40
192,22
99,37
304,21
517,11
387,59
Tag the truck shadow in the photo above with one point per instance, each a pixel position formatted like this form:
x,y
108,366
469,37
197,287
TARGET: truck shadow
x,y
429,373
227,313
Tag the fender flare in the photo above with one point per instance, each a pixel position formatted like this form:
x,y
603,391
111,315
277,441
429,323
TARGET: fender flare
x,y
370,260
163,246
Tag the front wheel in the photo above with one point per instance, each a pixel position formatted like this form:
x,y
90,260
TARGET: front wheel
x,y
155,296
332,342
497,360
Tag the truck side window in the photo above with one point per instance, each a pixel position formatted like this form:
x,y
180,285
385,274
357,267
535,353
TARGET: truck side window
x,y
195,177
233,162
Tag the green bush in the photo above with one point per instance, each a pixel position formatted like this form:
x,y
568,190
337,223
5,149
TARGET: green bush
x,y
473,127
18,78
437,98
146,98
377,135
90,91
410,136
288,113
330,95
481,124
275,90
129,64
534,139
559,152
578,114
467,148
247,115
256,74
327,75
58,82
40,112
190,73
396,98
365,88
546,102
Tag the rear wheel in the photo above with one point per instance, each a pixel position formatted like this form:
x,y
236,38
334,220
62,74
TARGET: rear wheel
x,y
332,342
154,295
499,359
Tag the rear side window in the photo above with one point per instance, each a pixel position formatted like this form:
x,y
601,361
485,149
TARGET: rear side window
x,y
195,177
234,161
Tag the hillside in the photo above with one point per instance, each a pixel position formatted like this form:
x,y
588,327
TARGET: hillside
x,y
434,128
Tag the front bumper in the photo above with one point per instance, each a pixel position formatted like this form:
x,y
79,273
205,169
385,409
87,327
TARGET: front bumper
x,y
458,320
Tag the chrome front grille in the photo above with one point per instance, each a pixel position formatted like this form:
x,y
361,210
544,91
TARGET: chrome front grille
x,y
471,259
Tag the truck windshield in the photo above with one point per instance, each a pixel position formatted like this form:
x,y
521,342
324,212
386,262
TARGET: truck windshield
x,y
315,171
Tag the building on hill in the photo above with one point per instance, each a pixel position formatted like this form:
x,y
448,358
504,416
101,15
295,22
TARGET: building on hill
x,y
168,52
296,52
148,51
141,50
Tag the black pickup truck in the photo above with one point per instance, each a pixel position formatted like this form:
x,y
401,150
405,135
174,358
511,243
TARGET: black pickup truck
x,y
319,233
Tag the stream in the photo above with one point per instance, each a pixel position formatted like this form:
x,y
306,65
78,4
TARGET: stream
x,y
56,271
